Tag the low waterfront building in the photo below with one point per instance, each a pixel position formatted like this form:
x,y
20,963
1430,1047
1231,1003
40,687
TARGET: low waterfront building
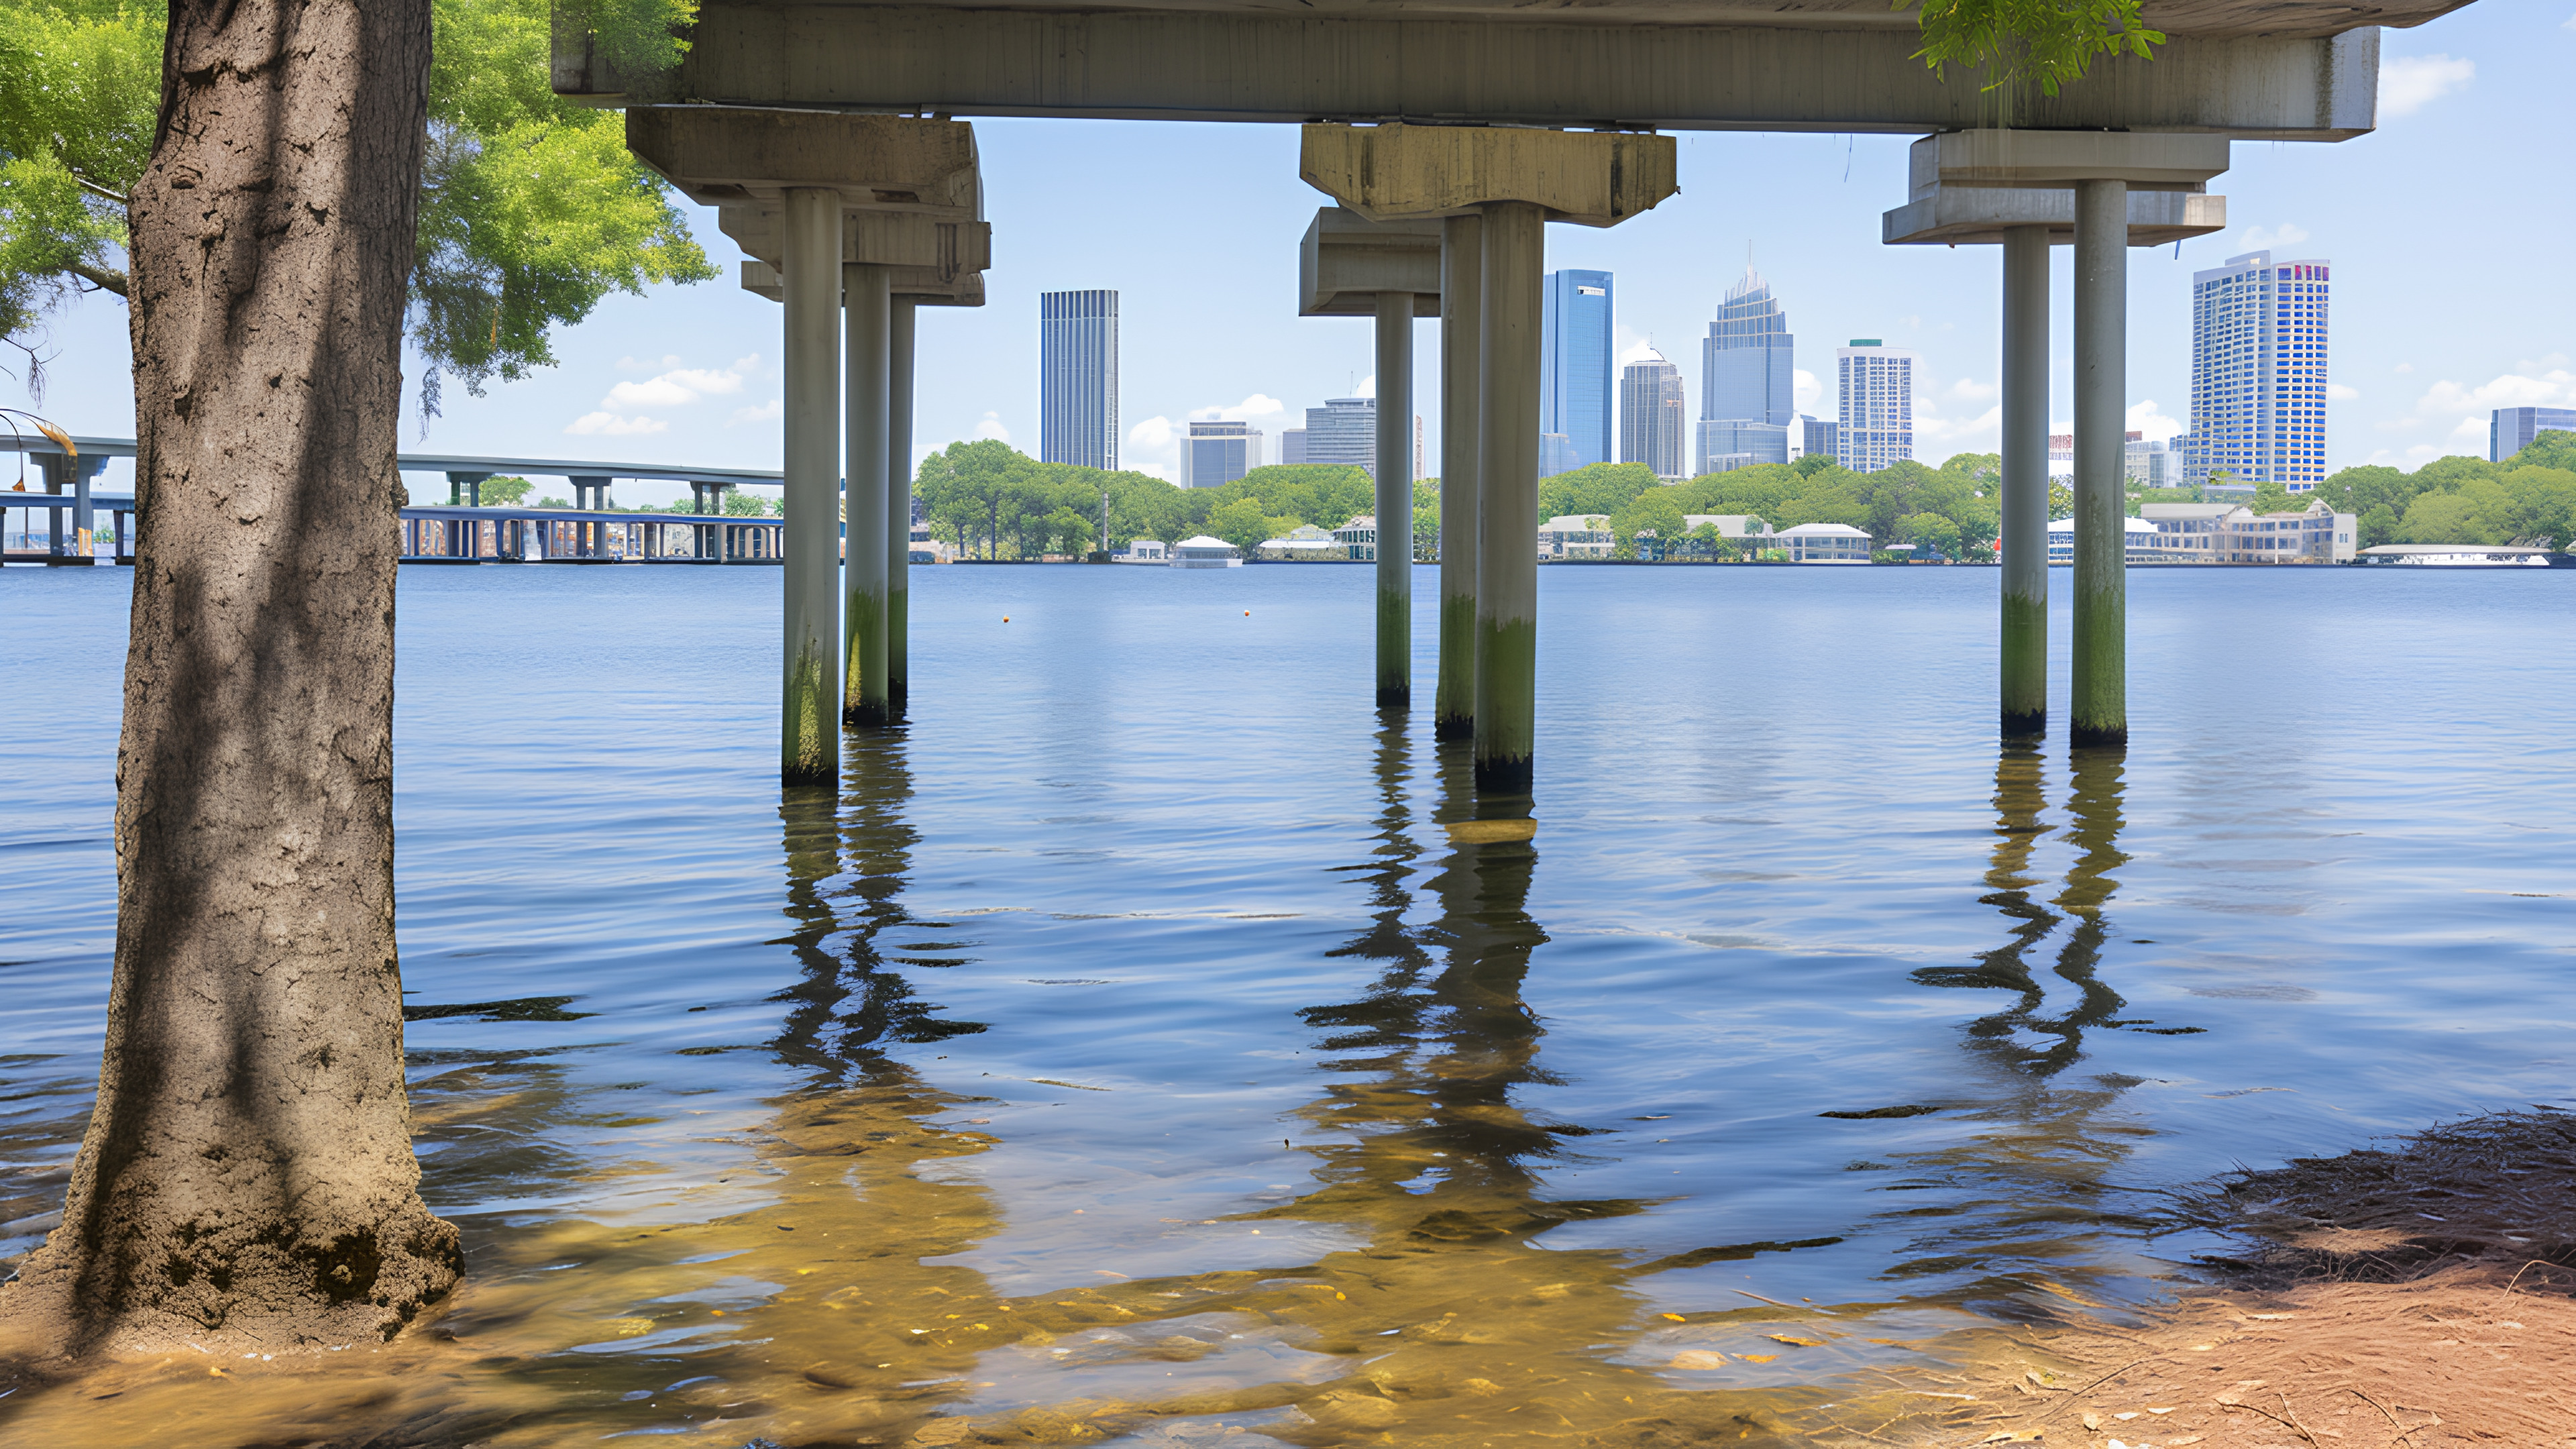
x,y
1144,551
1304,544
1204,552
2231,533
2460,555
1822,543
1749,535
2146,545
1575,536
1358,538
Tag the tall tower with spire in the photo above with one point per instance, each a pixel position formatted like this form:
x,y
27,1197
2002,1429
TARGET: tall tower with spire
x,y
1748,391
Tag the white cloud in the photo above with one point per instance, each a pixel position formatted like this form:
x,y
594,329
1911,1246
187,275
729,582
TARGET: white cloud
x,y
643,364
2337,392
678,386
769,411
1809,392
1968,389
991,427
611,425
2568,24
2409,83
1153,434
1251,409
2403,367
2462,412
2258,238
2149,418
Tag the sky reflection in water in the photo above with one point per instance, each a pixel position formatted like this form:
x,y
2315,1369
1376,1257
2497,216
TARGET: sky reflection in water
x,y
1129,1054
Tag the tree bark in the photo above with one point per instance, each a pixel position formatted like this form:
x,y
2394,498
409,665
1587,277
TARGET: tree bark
x,y
247,1177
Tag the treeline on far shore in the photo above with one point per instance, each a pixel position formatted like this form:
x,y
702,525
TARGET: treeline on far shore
x,y
989,500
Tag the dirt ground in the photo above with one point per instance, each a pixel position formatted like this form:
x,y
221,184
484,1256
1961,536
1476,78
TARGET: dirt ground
x,y
2420,1296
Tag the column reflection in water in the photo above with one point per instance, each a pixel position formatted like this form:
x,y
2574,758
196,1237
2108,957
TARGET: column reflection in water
x,y
2035,1173
838,1268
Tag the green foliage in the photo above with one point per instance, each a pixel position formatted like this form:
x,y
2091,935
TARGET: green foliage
x,y
1596,488
2018,42
503,492
634,39
2528,498
994,501
1242,522
1953,507
531,211
71,73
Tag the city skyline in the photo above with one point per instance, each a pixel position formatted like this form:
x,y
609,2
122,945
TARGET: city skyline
x,y
691,372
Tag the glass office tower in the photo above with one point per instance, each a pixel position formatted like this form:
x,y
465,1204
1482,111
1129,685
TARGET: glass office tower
x,y
1078,378
1574,363
1650,416
2510,430
2258,373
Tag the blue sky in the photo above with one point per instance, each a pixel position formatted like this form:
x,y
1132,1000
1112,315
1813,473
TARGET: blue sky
x,y
2447,229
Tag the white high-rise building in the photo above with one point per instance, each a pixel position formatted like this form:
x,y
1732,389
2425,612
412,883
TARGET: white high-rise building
x,y
1343,430
2258,373
1877,423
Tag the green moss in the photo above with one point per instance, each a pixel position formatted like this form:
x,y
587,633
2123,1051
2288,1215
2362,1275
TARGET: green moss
x,y
1394,639
1506,689
1456,702
2025,657
810,753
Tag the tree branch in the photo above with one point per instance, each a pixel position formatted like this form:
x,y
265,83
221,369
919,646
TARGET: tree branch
x,y
100,277
94,189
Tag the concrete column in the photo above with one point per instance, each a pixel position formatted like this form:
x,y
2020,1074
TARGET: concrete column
x,y
1507,507
1394,500
2100,704
2025,483
810,289
1462,242
56,468
898,509
863,556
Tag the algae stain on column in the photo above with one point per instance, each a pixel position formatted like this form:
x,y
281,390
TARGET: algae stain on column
x,y
2025,665
810,754
1506,727
898,609
1394,646
1455,707
865,640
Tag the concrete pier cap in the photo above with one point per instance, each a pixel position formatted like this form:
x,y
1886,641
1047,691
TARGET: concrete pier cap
x,y
1967,187
723,155
1346,260
1399,172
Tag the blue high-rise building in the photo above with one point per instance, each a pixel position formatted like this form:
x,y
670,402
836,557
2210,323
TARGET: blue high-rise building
x,y
1748,369
2510,430
1574,363
1078,378
1748,379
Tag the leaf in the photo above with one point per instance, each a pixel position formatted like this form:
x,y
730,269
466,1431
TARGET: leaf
x,y
1795,1341
58,435
1758,1357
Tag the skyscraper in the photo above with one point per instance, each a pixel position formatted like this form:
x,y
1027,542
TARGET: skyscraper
x,y
1216,453
1343,430
1650,416
1748,378
1078,378
2258,373
1877,423
1574,363
2510,430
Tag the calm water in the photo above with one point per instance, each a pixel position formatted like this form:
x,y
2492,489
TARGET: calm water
x,y
1129,1056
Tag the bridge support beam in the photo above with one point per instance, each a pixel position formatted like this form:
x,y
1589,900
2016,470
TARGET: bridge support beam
x,y
1462,243
898,510
1394,500
1516,181
2105,193
810,287
2100,703
2024,672
1514,253
869,306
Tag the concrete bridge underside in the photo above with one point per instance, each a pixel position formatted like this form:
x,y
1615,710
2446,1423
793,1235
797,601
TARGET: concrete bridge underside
x,y
2257,69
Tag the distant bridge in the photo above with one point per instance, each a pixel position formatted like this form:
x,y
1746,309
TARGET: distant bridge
x,y
461,532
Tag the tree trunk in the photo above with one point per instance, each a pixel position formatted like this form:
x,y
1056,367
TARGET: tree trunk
x,y
247,1177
